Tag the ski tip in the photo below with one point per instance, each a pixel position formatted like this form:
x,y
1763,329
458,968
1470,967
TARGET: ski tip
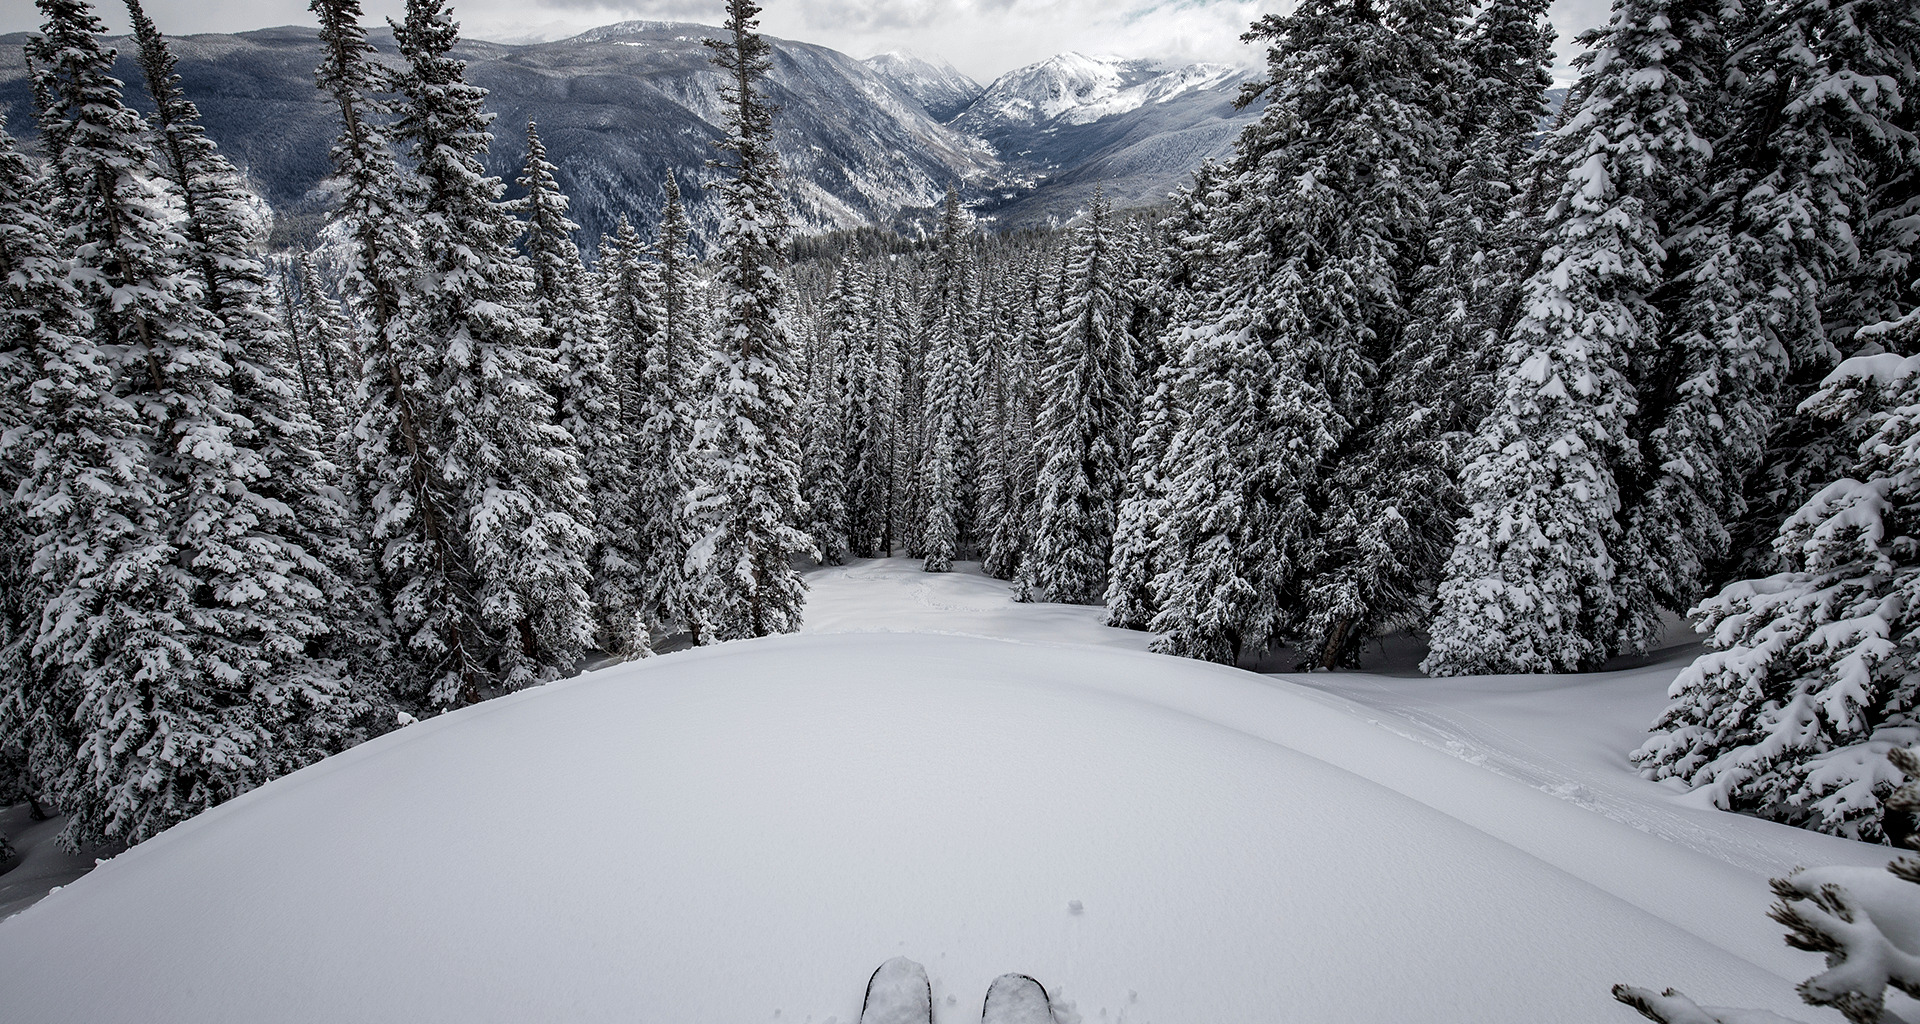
x,y
1016,999
898,993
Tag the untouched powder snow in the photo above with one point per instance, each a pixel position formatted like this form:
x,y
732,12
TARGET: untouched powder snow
x,y
742,833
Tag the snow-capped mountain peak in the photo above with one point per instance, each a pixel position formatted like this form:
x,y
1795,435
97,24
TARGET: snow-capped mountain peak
x,y
1075,88
627,30
940,88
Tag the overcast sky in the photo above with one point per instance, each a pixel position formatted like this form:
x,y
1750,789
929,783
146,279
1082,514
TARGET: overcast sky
x,y
983,38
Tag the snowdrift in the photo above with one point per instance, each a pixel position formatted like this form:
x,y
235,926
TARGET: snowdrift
x,y
740,834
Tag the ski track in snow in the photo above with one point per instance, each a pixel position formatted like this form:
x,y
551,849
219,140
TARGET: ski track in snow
x,y
896,596
1618,796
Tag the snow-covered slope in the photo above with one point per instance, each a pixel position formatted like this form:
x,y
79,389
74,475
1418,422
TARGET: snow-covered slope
x,y
940,88
1073,122
742,833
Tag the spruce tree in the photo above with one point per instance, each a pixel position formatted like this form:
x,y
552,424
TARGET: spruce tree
x,y
1816,175
1086,426
297,505
61,430
909,345
651,315
1531,584
519,511
420,555
589,396
1007,453
947,463
1793,716
1383,526
746,500
1277,530
1184,273
822,471
182,605
940,466
328,336
864,447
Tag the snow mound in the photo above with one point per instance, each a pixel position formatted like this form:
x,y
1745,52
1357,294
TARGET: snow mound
x,y
741,833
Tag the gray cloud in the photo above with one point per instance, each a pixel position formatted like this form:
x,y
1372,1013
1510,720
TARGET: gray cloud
x,y
984,38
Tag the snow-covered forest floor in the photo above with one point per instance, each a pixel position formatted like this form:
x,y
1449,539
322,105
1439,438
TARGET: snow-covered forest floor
x,y
741,833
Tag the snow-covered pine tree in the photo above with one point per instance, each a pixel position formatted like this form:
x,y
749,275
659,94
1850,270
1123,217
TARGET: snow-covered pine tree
x,y
823,483
328,339
59,426
1276,529
298,508
746,499
842,484
652,317
590,391
1531,583
1033,322
907,343
1813,680
519,508
940,470
1086,424
1008,453
182,605
1480,249
1440,380
1793,718
1705,391
1183,274
864,433
417,543
1816,203
948,463
1381,534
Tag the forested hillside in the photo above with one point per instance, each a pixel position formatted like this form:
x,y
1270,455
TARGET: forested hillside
x,y
1398,363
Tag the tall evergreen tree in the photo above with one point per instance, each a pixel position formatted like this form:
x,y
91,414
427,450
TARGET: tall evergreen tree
x,y
328,338
1007,452
1086,426
746,500
589,393
62,431
941,466
521,515
296,504
864,427
1814,212
1277,531
1794,715
419,551
1531,585
654,314
1184,274
180,607
948,462
908,345
823,484
1436,380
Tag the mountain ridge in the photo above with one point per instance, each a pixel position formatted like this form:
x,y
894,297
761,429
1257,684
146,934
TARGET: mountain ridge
x,y
874,141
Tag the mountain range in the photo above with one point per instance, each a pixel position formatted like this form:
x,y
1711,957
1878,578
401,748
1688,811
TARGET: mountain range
x,y
620,107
